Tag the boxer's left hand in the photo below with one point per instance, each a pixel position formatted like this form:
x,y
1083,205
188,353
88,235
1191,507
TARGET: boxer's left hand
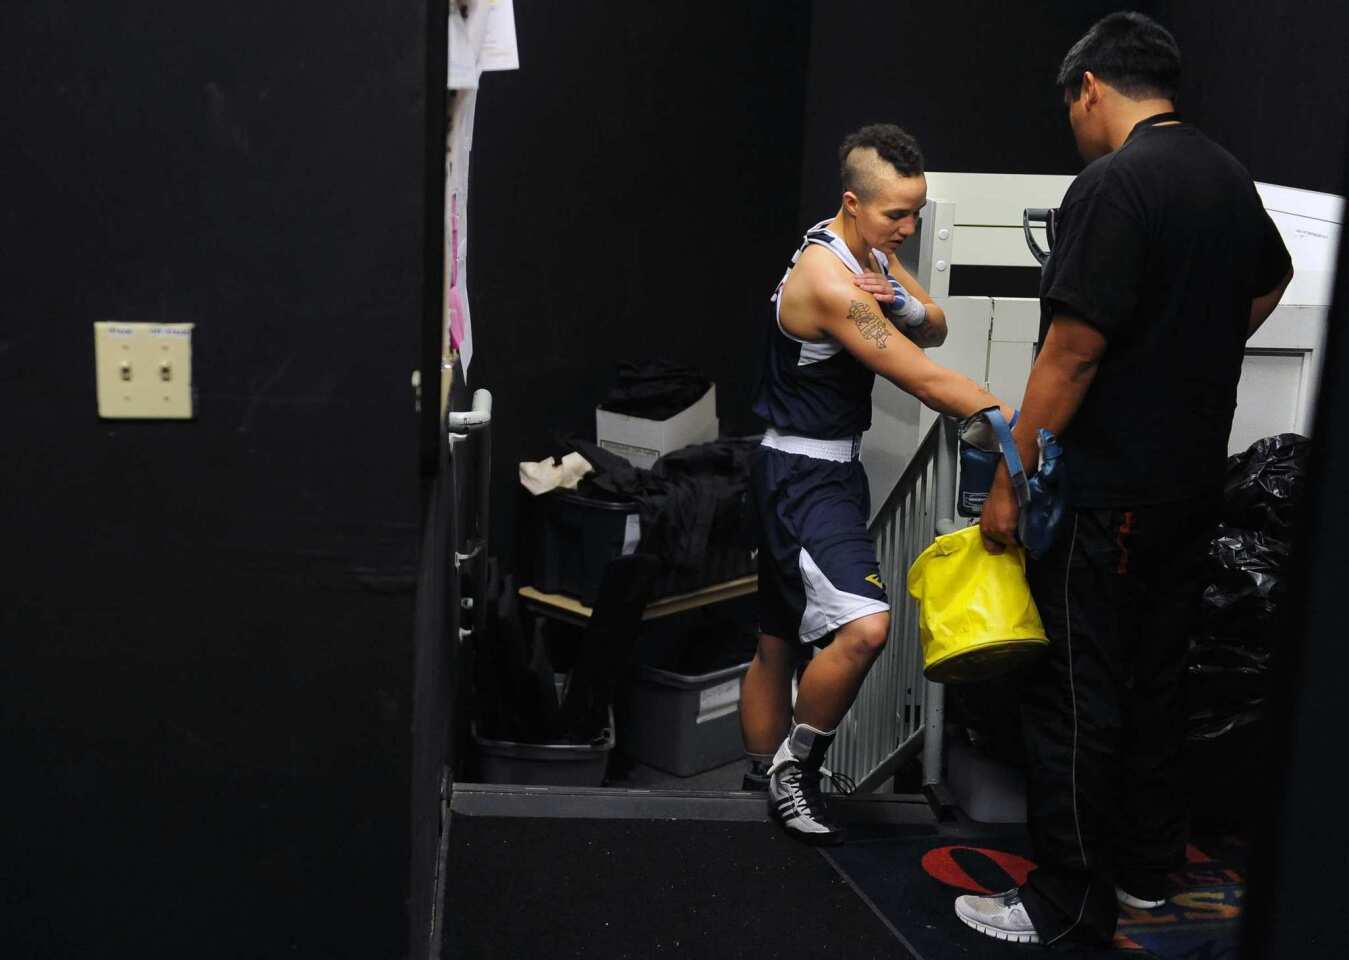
x,y
998,522
876,284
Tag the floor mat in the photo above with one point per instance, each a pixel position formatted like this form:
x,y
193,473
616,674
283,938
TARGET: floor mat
x,y
913,881
526,887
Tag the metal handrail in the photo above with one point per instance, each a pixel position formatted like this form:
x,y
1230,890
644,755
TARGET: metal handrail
x,y
465,428
1036,216
898,712
461,422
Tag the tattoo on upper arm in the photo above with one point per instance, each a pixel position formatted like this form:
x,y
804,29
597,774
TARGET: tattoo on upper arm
x,y
872,325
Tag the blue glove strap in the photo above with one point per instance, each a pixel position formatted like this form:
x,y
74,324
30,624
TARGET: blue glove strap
x,y
1009,453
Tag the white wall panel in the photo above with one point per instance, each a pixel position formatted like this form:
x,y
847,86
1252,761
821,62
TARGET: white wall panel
x,y
996,199
968,320
983,246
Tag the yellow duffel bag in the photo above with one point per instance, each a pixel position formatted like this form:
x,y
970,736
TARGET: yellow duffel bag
x,y
977,619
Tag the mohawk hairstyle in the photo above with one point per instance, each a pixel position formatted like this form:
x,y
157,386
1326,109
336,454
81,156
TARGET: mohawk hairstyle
x,y
892,145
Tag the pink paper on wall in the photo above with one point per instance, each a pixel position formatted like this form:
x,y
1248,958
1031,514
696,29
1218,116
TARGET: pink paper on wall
x,y
456,302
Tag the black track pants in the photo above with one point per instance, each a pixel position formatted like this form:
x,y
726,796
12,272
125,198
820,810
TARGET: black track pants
x,y
1103,713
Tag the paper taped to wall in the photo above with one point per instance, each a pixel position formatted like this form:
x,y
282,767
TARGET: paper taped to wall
x,y
468,25
482,37
459,325
499,50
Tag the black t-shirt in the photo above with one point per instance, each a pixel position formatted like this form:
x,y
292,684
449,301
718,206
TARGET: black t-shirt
x,y
1162,246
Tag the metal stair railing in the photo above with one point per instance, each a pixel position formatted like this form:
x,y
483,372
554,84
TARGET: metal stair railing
x,y
461,525
898,712
470,440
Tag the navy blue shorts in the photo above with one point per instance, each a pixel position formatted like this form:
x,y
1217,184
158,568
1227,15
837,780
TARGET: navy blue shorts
x,y
817,564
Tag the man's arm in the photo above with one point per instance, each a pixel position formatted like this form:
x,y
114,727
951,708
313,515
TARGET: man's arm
x,y
1063,372
857,322
1262,306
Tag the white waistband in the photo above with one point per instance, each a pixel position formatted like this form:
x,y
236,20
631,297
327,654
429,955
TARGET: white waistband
x,y
840,451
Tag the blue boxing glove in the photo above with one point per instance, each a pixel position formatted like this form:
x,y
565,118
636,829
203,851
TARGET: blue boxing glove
x,y
981,450
1039,521
906,308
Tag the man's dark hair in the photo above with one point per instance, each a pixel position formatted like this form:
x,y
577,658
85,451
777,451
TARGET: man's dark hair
x,y
892,145
1133,53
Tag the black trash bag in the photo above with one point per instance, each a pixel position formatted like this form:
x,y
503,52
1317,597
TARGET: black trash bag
x,y
1230,655
1247,584
1228,664
1265,484
1228,688
1229,659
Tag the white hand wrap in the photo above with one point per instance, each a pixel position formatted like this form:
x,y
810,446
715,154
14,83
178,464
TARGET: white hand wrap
x,y
907,307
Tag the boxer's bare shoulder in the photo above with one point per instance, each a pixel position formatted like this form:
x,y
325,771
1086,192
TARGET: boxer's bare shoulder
x,y
815,289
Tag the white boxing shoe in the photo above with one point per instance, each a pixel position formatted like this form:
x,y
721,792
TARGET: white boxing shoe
x,y
794,801
794,787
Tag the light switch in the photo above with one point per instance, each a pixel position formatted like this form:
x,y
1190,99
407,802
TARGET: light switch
x,y
144,370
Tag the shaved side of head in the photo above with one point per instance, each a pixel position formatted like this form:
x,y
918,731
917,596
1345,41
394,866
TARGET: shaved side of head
x,y
864,171
868,157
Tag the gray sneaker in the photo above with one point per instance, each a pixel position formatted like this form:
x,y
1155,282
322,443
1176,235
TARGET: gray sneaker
x,y
1002,916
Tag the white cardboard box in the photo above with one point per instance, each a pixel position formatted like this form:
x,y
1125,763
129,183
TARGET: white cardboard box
x,y
642,442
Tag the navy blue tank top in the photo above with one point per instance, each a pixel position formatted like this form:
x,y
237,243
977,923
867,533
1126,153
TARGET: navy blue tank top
x,y
815,388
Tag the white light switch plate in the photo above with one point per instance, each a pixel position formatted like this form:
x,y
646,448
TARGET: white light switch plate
x,y
144,370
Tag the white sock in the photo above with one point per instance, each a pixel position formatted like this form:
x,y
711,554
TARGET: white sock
x,y
800,742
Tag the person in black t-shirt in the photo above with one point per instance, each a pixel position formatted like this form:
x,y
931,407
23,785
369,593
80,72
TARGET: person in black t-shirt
x,y
1164,263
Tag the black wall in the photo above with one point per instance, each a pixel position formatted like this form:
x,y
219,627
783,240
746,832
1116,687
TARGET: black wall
x,y
1268,81
208,626
974,82
633,196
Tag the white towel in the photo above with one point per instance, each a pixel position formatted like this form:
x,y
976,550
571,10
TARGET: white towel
x,y
539,478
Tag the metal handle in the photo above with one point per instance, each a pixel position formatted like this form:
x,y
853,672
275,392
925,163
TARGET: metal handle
x,y
1039,216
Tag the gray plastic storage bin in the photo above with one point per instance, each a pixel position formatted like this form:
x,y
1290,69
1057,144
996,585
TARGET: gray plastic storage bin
x,y
681,724
551,764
